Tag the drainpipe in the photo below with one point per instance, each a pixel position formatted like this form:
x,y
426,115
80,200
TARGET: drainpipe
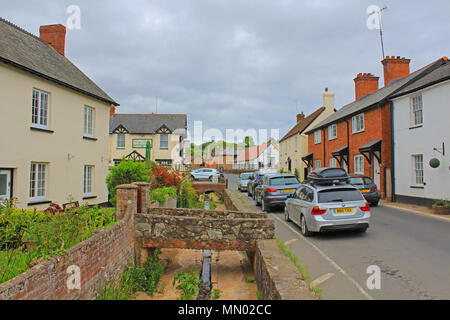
x,y
324,154
392,152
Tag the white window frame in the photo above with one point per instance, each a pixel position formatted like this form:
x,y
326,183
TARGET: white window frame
x,y
358,123
358,162
333,162
417,172
120,142
161,141
416,105
332,132
89,121
40,109
318,164
88,180
38,181
317,136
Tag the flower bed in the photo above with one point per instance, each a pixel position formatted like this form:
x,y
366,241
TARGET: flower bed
x,y
29,237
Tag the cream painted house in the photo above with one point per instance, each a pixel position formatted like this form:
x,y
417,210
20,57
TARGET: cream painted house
x,y
294,145
129,134
55,146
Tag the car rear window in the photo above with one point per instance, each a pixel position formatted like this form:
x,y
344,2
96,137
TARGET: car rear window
x,y
356,181
245,176
339,195
280,181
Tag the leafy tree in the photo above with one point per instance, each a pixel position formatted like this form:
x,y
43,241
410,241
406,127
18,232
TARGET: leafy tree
x,y
249,142
126,172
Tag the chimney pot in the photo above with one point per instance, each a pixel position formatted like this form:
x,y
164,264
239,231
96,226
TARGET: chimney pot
x,y
365,84
300,117
112,111
54,35
395,69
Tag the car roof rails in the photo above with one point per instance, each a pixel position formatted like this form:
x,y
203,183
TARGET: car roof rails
x,y
328,176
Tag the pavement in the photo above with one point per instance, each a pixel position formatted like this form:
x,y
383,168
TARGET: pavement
x,y
410,248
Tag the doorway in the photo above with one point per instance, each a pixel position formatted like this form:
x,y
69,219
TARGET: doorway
x,y
376,172
5,184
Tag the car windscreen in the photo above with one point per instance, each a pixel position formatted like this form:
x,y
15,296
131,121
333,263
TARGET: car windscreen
x,y
356,181
339,195
281,181
245,176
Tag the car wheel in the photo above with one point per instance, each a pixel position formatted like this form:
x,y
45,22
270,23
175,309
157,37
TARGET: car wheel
x,y
286,215
304,227
361,230
374,204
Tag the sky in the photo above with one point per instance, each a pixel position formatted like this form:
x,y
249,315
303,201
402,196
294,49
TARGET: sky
x,y
236,64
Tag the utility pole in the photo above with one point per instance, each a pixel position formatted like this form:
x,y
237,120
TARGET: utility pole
x,y
381,30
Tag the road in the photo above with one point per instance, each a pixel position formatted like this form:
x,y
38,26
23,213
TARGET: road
x,y
412,251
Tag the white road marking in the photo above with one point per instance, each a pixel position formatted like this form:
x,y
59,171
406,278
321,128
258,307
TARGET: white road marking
x,y
290,242
321,280
331,261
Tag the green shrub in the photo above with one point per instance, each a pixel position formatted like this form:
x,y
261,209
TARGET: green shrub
x,y
441,203
161,195
188,284
187,196
126,172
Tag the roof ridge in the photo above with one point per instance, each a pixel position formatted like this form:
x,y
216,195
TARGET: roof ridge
x,y
21,29
150,114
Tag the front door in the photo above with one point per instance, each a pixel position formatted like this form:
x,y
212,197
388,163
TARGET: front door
x,y
376,172
5,184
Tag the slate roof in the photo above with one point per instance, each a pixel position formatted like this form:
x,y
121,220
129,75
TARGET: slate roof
x,y
147,123
303,124
28,52
378,97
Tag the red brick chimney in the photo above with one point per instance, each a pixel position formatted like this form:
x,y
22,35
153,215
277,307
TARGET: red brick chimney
x,y
112,111
300,117
365,83
395,68
55,35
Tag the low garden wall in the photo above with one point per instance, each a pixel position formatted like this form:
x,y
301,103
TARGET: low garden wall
x,y
232,202
99,258
277,277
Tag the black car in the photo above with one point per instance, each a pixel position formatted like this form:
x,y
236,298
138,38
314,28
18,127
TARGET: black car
x,y
367,188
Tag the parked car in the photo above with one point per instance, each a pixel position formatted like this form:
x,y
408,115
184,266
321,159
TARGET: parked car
x,y
328,203
275,189
206,174
244,178
256,179
367,188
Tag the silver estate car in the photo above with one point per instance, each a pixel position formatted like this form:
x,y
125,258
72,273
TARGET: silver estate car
x,y
319,208
243,181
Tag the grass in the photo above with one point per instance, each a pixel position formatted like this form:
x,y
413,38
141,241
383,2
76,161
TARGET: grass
x,y
241,198
250,280
216,294
259,295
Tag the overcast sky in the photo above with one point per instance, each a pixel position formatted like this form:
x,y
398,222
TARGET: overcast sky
x,y
236,63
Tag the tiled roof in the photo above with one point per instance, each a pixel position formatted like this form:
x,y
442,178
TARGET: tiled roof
x,y
378,97
252,153
24,50
147,123
303,124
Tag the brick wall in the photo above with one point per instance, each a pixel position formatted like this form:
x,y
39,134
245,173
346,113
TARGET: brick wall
x,y
100,257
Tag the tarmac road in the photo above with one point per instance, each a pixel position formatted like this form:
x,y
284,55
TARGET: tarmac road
x,y
412,252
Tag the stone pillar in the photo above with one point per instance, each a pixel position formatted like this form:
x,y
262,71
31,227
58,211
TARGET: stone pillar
x,y
143,196
126,201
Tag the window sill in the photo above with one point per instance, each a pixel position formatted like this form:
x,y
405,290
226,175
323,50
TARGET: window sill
x,y
35,203
356,132
88,197
41,129
89,138
331,139
120,148
416,127
417,187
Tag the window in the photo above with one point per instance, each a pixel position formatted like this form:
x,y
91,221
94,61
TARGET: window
x,y
87,183
317,137
88,122
318,164
416,111
332,132
120,141
333,162
358,123
417,165
359,164
164,141
339,195
39,116
38,174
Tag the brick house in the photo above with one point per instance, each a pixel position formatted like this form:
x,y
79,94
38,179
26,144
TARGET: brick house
x,y
358,136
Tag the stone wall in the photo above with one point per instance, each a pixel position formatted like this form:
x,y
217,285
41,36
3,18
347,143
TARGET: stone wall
x,y
202,187
100,257
277,277
232,202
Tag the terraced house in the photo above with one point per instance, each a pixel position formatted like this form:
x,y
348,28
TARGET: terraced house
x,y
166,133
358,137
55,144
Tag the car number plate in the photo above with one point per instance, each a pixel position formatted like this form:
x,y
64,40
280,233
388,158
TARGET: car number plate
x,y
365,191
342,211
288,191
